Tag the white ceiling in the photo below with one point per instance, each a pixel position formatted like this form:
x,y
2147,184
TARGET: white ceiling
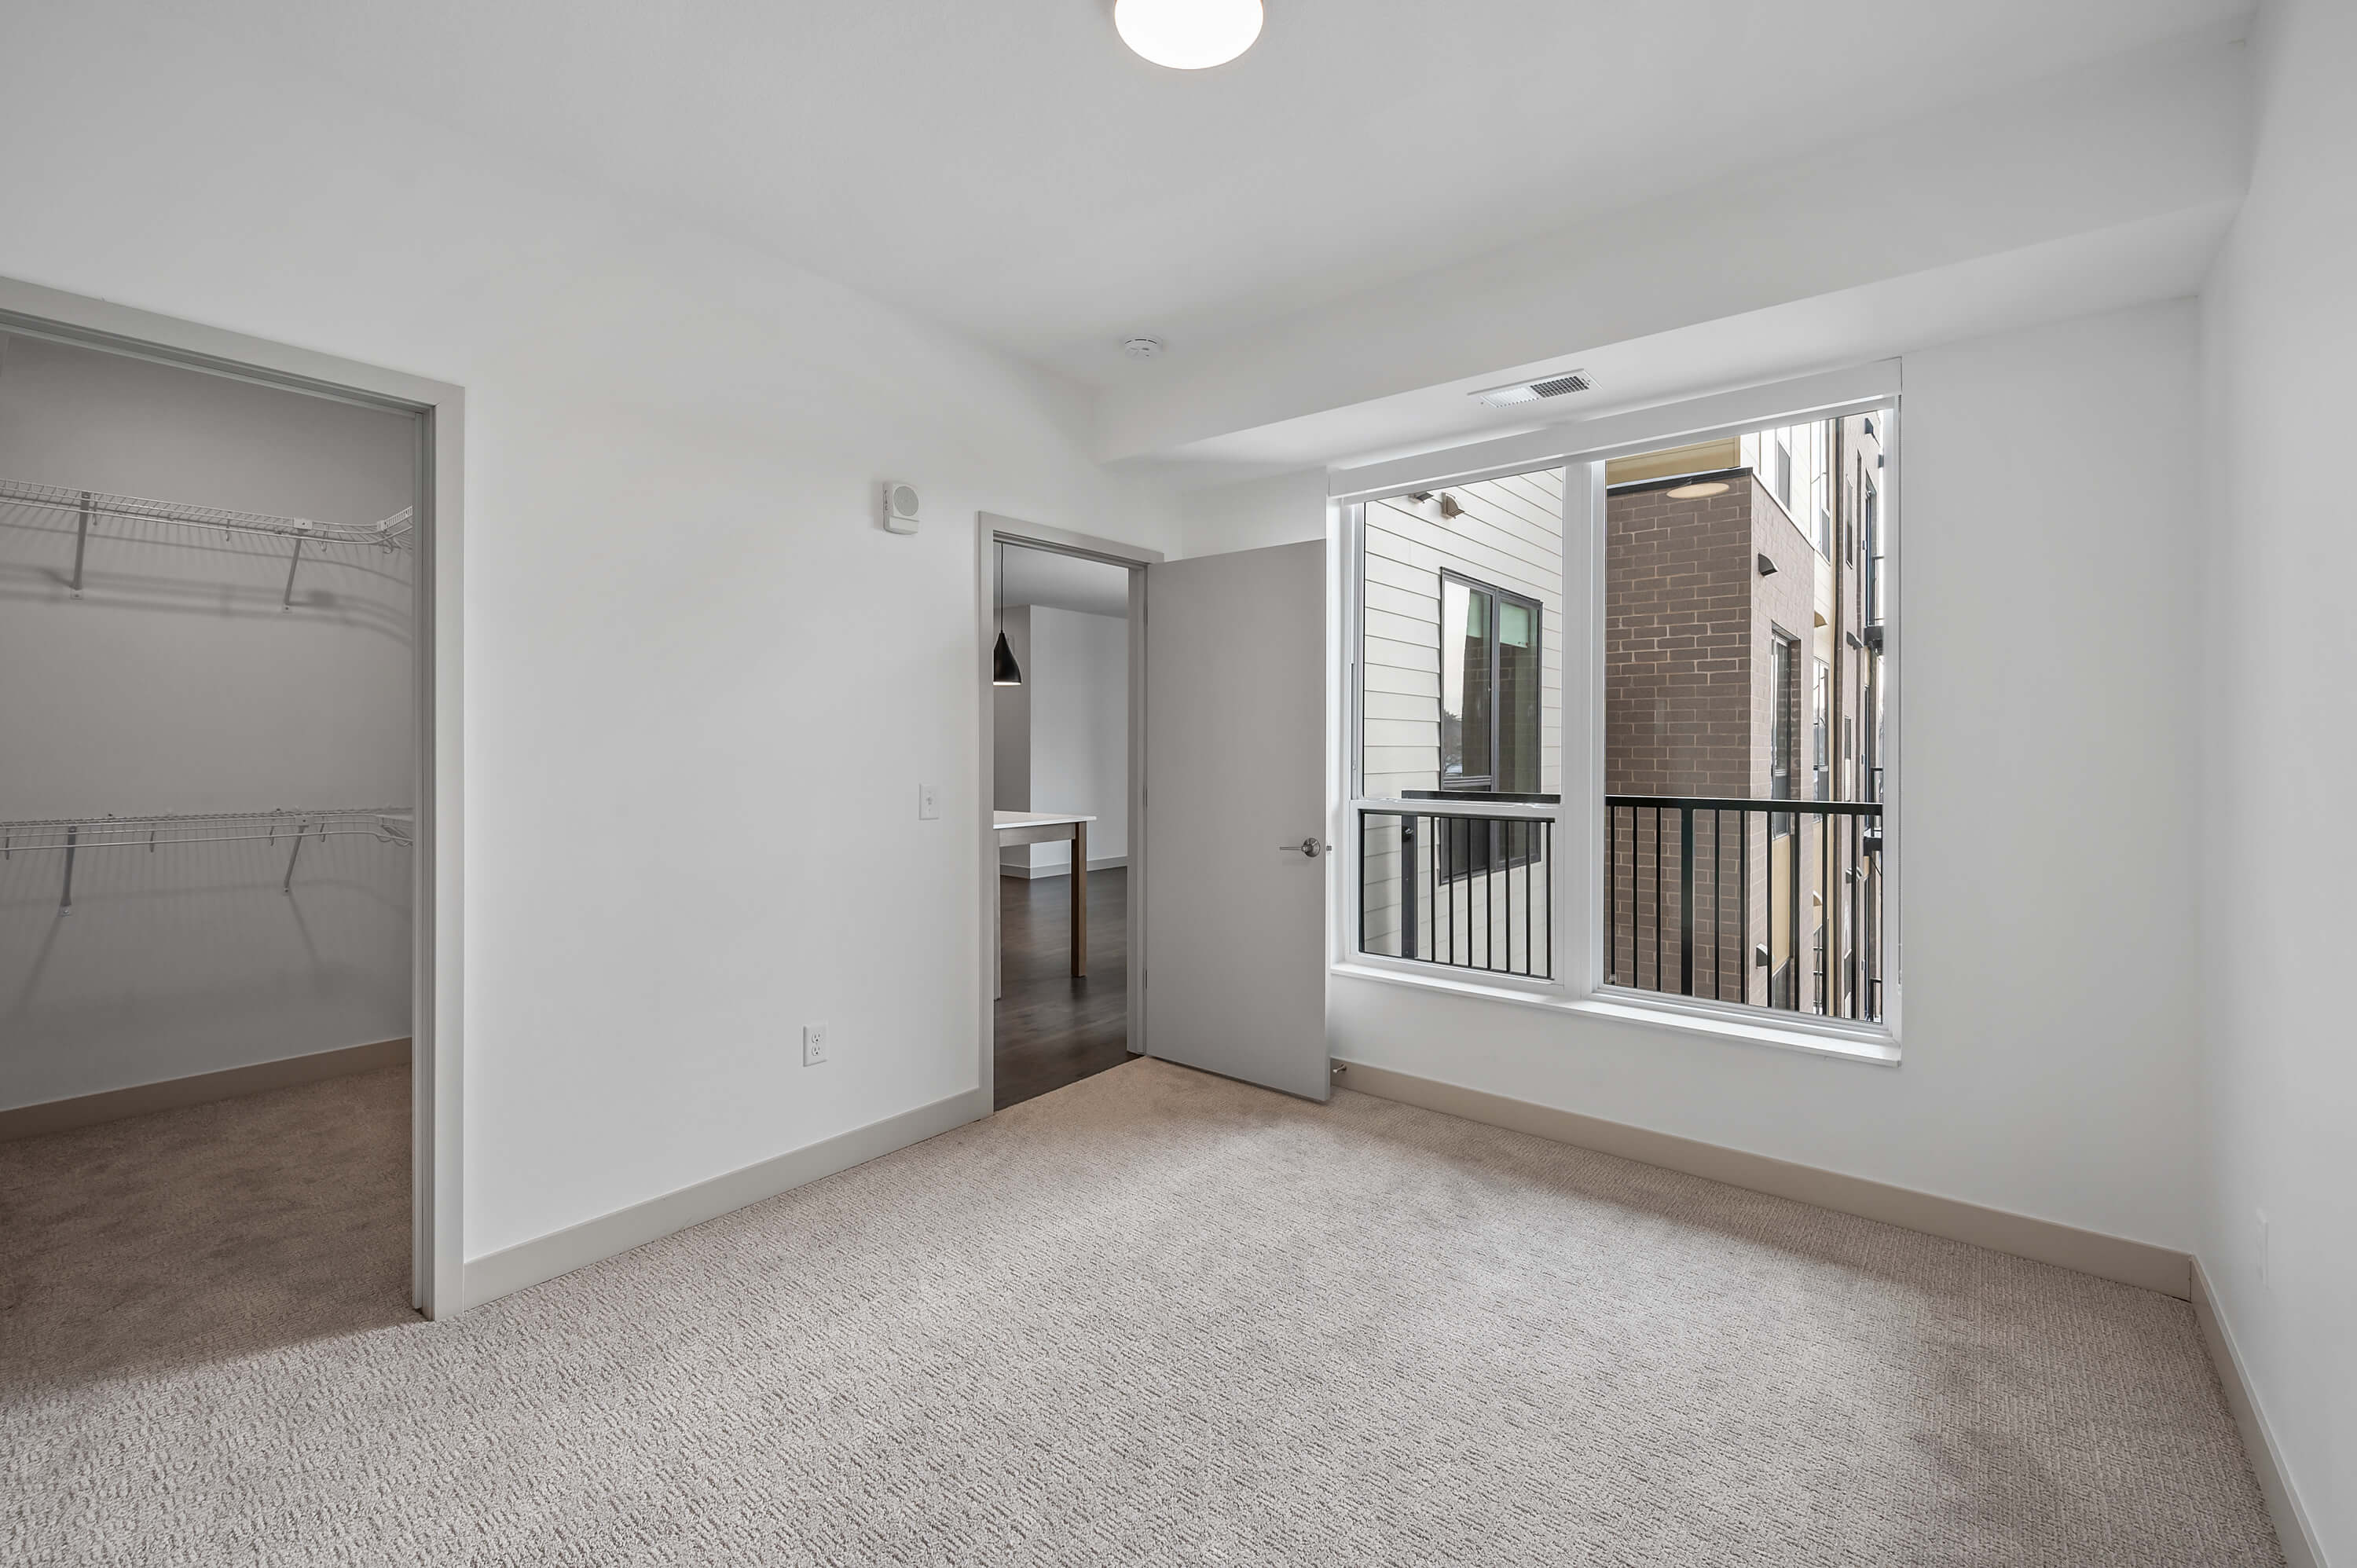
x,y
1011,169
1066,582
2136,263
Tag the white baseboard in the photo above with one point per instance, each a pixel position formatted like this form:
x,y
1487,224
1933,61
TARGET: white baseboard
x,y
542,1258
2300,1549
2043,1241
1032,873
199,1088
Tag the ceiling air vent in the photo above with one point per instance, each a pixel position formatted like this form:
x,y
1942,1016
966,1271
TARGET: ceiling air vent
x,y
1530,391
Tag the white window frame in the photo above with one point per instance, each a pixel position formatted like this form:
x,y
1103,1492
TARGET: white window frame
x,y
1582,448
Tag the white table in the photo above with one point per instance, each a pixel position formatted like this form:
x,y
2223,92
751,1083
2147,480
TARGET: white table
x,y
1054,827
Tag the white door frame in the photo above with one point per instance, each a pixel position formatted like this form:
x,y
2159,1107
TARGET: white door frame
x,y
438,864
991,530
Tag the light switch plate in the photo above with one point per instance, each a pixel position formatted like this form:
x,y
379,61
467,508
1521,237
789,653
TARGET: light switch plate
x,y
928,801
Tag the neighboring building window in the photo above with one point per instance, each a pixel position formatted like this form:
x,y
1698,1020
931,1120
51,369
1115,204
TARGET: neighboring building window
x,y
1784,726
1870,507
1489,689
1794,463
1821,723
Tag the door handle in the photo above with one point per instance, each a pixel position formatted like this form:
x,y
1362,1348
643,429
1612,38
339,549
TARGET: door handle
x,y
1310,847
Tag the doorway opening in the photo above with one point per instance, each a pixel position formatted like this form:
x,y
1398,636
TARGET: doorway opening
x,y
218,1106
1061,722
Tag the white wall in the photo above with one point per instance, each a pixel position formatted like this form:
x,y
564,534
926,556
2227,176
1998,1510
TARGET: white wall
x,y
2277,711
2051,541
1078,679
703,684
1283,510
177,685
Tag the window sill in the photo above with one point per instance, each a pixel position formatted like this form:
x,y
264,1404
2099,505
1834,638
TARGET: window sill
x,y
1874,1048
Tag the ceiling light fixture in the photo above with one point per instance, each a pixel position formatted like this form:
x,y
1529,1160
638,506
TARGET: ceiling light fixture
x,y
1697,490
1187,34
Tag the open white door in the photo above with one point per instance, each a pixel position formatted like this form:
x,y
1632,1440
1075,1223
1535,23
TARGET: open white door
x,y
1235,901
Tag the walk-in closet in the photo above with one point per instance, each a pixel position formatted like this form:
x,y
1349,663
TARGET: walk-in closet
x,y
207,687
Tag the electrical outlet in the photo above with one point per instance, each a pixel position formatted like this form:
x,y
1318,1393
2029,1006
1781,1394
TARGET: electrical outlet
x,y
928,801
814,1044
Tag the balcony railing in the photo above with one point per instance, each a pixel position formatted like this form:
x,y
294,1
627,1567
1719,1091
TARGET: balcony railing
x,y
1769,903
1471,890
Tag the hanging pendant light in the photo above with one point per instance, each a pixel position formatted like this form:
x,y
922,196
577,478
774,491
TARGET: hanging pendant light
x,y
1003,669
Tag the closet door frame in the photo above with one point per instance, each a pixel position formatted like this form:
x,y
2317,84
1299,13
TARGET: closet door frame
x,y
437,1266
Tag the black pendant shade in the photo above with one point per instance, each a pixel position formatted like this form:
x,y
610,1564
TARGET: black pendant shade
x,y
1004,672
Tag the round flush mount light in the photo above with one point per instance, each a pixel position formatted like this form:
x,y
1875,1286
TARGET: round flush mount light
x,y
1187,34
1697,490
1143,348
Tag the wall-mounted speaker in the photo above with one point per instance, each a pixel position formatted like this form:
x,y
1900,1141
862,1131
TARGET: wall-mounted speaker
x,y
899,507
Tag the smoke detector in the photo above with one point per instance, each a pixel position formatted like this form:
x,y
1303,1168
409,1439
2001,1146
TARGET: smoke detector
x,y
1143,348
1556,385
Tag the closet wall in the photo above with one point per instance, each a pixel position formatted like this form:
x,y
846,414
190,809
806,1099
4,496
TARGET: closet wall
x,y
177,682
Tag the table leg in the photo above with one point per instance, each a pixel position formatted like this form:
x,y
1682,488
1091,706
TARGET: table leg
x,y
1079,899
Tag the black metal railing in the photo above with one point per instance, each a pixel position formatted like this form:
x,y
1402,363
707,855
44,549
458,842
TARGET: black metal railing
x,y
1769,903
1471,891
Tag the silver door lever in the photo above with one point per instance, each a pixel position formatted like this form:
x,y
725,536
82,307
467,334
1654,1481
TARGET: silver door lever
x,y
1310,847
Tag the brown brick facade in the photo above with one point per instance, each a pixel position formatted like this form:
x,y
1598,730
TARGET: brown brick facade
x,y
1691,704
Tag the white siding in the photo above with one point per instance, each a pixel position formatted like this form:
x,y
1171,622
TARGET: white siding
x,y
1510,536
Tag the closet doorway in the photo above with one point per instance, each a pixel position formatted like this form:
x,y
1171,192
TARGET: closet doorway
x,y
223,814
1063,801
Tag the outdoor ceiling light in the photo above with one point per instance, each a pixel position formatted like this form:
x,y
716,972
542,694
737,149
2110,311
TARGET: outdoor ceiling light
x,y
1187,34
1697,490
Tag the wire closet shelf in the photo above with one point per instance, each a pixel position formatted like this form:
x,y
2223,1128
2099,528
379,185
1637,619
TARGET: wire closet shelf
x,y
72,835
393,532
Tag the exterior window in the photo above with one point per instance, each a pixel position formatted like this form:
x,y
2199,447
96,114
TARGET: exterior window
x,y
1733,857
1489,689
1743,690
1784,725
1821,721
1458,726
1871,506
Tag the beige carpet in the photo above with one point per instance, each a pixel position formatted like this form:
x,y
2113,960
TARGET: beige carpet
x,y
1153,1318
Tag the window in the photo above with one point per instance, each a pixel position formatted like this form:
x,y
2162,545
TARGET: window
x,y
1821,721
1741,863
1794,463
1728,854
1489,689
1871,507
1458,723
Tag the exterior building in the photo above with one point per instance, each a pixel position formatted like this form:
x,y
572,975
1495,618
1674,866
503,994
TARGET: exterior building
x,y
1742,664
1741,667
1461,692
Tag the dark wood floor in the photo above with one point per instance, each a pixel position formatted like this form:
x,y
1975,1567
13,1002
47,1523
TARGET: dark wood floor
x,y
1053,1029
